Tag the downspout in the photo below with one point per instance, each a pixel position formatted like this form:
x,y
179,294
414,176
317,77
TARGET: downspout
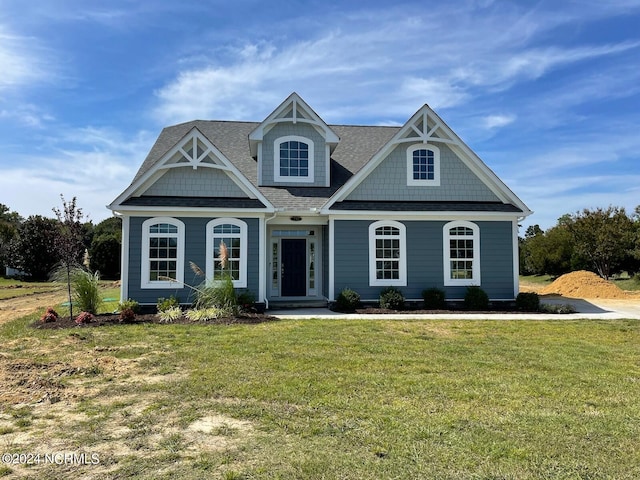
x,y
266,221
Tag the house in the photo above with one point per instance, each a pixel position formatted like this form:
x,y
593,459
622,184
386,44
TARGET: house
x,y
307,209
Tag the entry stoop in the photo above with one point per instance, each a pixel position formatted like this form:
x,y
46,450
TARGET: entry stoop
x,y
286,304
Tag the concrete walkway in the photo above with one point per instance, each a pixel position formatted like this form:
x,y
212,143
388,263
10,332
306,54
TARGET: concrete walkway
x,y
596,309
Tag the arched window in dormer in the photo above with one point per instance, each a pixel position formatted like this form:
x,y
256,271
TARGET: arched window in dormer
x,y
294,159
423,165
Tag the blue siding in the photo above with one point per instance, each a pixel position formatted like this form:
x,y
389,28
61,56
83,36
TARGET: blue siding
x,y
425,264
389,181
195,251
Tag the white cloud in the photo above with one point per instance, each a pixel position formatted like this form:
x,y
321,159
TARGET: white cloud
x,y
497,121
21,65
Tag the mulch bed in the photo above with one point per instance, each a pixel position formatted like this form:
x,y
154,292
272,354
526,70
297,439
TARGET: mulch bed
x,y
111,319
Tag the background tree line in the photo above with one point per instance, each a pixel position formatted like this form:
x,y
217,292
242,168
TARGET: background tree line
x,y
32,245
605,241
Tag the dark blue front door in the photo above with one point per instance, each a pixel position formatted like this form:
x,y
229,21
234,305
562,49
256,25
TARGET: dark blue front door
x,y
294,267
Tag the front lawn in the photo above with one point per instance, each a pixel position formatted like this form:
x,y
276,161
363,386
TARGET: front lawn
x,y
319,399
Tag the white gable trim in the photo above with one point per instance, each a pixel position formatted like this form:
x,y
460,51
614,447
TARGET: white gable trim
x,y
426,126
194,161
301,112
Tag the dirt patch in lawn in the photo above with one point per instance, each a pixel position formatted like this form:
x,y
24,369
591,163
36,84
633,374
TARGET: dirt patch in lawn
x,y
583,284
12,308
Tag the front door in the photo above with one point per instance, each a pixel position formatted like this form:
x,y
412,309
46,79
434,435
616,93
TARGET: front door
x,y
293,267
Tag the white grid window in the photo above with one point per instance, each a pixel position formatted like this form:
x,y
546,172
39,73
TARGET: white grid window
x,y
387,253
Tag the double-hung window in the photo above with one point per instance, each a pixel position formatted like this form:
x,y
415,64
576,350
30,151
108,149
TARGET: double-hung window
x,y
293,159
461,253
162,260
387,253
423,165
227,250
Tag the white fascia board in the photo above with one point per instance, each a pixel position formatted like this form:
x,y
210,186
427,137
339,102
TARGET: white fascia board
x,y
135,211
422,216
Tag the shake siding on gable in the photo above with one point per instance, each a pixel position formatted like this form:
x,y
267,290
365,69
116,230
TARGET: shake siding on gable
x,y
195,251
203,182
302,130
425,262
389,181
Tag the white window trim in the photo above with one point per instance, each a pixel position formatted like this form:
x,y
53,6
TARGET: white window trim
x,y
210,245
411,182
402,280
475,269
276,160
145,260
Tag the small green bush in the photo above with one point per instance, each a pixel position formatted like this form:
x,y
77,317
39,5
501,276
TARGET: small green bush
x,y
171,314
209,313
165,304
219,293
246,300
560,309
348,300
129,304
434,299
528,301
476,299
392,298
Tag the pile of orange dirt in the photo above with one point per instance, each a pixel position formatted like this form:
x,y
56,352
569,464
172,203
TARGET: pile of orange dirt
x,y
583,284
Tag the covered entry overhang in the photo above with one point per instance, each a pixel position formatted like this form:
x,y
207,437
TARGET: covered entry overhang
x,y
296,258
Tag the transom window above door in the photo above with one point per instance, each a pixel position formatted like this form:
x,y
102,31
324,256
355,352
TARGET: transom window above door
x,y
294,159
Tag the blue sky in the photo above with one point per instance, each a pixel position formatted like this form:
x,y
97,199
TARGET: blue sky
x,y
546,93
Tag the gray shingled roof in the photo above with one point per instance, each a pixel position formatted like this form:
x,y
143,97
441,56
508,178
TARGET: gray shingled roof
x,y
357,145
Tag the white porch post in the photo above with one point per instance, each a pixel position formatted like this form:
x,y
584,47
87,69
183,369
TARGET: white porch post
x,y
331,292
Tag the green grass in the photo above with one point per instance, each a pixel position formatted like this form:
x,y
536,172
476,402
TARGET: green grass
x,y
629,284
358,399
11,288
540,280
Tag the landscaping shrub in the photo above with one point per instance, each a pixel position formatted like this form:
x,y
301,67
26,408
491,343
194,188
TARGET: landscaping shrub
x,y
391,298
165,304
49,316
84,318
561,309
170,314
129,304
86,290
348,300
127,315
246,300
434,299
219,293
476,299
205,314
528,301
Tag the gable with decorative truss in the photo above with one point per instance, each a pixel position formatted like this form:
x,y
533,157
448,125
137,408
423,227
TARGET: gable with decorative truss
x,y
425,162
193,167
293,146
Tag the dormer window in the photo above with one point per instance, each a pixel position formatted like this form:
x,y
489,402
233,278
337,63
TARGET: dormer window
x,y
423,165
294,160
